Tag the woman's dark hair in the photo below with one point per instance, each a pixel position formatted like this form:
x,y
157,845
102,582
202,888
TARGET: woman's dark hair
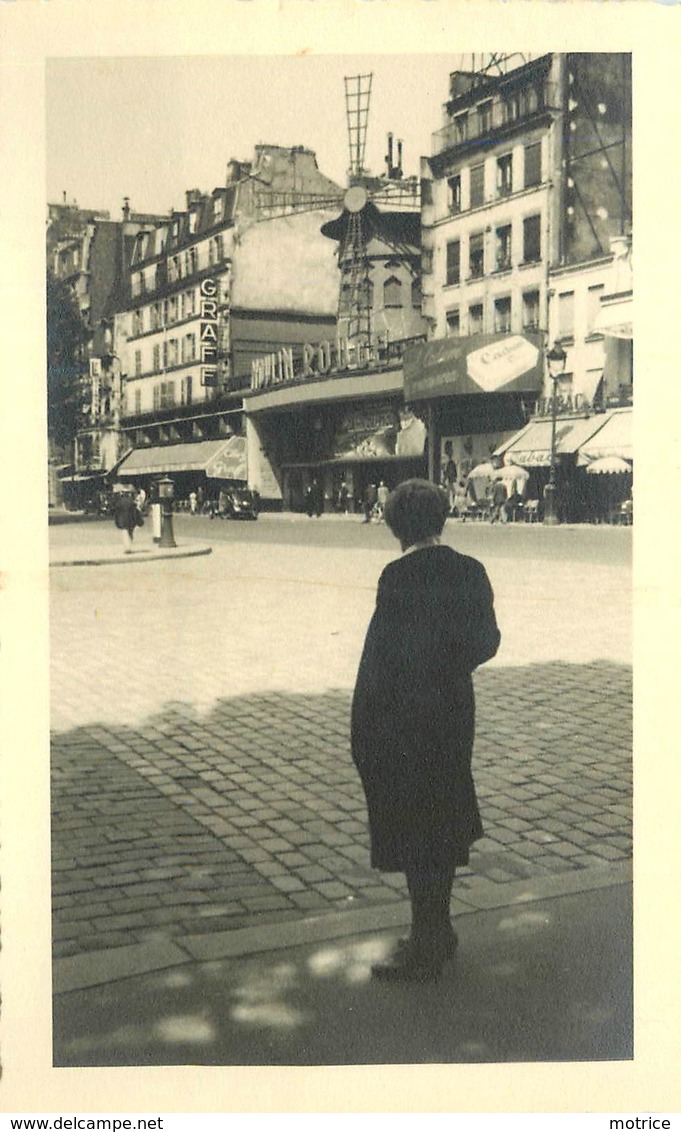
x,y
416,510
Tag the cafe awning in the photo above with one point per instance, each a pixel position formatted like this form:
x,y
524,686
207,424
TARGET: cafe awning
x,y
481,363
219,459
531,447
615,438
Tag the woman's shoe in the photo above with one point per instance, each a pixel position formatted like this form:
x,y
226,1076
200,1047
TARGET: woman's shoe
x,y
410,964
450,945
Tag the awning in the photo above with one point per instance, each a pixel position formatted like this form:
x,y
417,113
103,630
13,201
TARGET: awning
x,y
531,447
616,319
219,459
615,438
481,363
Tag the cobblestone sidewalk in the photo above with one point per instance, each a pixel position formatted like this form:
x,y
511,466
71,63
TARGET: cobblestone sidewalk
x,y
188,824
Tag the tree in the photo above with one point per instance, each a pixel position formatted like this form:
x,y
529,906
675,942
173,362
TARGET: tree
x,y
66,337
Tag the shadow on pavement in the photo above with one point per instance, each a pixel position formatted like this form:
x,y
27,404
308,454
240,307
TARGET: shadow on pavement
x,y
252,813
550,982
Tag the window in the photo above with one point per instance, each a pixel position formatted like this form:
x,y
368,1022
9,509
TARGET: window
x,y
453,323
138,362
477,185
426,191
186,390
172,308
189,347
503,248
531,239
505,175
461,127
218,208
136,284
475,319
193,261
137,322
453,262
593,307
511,109
532,164
172,352
454,193
193,219
530,310
476,255
156,362
156,316
211,253
485,117
426,261
566,314
138,401
164,395
502,315
165,355
416,294
392,292
189,303
219,248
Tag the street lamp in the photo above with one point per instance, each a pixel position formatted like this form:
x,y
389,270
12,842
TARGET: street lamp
x,y
555,359
166,494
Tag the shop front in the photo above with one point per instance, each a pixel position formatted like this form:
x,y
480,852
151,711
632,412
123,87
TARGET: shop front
x,y
474,393
202,467
339,430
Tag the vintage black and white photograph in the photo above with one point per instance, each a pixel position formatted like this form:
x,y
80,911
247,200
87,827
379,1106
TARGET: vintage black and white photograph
x,y
340,397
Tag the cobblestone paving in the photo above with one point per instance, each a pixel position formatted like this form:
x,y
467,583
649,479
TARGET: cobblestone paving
x,y
191,823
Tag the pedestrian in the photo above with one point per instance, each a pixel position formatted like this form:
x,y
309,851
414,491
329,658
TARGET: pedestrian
x,y
193,500
499,497
413,720
126,516
382,494
369,501
343,496
317,498
310,499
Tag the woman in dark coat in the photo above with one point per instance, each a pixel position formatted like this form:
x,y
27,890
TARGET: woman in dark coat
x,y
413,716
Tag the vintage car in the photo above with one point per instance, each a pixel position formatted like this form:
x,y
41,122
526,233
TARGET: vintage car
x,y
239,503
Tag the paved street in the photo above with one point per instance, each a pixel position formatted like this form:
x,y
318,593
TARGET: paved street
x,y
201,775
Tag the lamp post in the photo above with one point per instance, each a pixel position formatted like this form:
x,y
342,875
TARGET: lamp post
x,y
166,494
555,360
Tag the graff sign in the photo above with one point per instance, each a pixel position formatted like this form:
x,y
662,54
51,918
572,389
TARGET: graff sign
x,y
315,360
209,332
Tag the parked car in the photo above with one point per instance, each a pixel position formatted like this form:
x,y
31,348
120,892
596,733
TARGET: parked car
x,y
241,503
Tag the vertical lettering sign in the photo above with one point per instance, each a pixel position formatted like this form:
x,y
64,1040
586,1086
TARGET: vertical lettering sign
x,y
209,333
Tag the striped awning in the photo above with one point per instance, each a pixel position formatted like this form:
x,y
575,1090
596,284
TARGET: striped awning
x,y
219,459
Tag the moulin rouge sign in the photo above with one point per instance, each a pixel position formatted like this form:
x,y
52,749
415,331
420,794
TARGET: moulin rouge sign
x,y
323,358
209,332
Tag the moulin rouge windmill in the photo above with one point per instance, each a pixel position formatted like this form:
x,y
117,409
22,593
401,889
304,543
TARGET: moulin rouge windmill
x,y
385,208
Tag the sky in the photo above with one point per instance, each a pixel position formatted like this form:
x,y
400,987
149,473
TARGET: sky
x,y
152,127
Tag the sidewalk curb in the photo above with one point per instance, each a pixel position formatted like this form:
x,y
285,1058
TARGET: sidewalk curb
x,y
80,972
104,557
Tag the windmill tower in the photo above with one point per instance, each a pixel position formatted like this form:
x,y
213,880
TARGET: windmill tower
x,y
371,208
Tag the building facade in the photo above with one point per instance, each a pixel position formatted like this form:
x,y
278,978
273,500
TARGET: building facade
x,y
527,185
211,288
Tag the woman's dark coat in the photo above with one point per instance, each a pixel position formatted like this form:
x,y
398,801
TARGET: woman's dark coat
x,y
125,513
413,711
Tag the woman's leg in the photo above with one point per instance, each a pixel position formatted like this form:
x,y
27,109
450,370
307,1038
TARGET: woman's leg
x,y
432,939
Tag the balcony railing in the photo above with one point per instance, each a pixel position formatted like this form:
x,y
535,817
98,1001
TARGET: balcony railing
x,y
468,127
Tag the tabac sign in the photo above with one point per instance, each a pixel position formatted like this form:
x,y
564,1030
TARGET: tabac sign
x,y
482,363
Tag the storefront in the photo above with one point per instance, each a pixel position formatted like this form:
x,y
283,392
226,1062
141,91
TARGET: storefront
x,y
202,466
344,425
579,442
474,393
